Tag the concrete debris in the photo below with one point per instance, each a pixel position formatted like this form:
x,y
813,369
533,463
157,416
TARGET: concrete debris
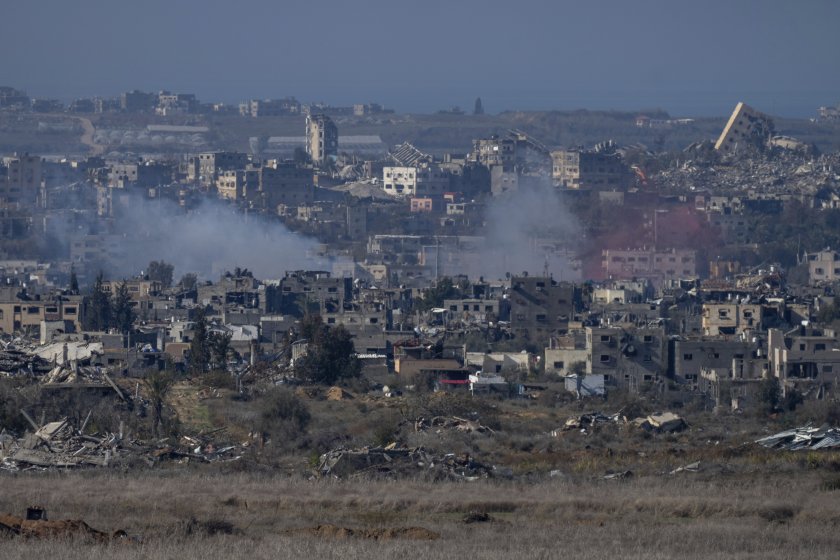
x,y
785,173
590,420
661,422
621,475
60,445
691,467
451,422
62,353
379,461
803,438
73,374
15,362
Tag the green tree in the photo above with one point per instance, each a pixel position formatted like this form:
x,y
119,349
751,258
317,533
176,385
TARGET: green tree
x,y
793,398
123,314
330,357
770,394
98,316
199,356
220,349
160,271
158,383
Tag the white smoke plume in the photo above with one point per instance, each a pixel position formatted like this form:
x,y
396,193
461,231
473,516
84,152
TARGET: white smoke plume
x,y
208,240
529,230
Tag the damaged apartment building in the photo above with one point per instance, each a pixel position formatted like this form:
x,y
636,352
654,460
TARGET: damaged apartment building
x,y
540,306
601,168
625,356
514,162
274,186
659,266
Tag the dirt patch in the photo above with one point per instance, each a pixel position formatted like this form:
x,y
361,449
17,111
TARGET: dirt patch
x,y
338,394
42,529
380,534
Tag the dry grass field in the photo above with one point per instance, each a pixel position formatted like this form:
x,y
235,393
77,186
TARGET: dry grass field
x,y
744,501
208,515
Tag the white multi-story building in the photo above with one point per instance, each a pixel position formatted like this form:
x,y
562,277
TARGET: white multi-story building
x,y
426,180
824,266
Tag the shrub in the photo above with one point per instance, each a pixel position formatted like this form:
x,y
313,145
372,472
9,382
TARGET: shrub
x,y
282,414
770,394
219,379
330,357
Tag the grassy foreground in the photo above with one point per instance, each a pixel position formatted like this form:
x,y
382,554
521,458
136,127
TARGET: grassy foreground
x,y
189,515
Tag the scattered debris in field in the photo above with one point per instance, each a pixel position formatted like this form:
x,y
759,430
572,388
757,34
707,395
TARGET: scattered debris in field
x,y
342,463
59,445
335,532
451,422
590,420
692,467
621,475
803,438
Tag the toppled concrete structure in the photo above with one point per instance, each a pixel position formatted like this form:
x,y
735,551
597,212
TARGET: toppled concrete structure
x,y
60,445
661,422
17,362
590,420
746,127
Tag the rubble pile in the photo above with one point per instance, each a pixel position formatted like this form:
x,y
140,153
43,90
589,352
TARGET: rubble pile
x,y
786,172
803,438
590,420
59,445
15,362
393,461
659,422
451,422
73,374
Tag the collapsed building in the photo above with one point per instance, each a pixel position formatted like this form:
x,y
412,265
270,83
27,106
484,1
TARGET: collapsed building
x,y
746,127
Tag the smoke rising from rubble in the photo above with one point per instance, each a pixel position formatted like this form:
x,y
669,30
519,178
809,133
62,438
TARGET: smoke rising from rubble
x,y
209,240
526,228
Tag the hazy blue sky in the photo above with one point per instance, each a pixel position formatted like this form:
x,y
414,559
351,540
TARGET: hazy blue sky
x,y
691,58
